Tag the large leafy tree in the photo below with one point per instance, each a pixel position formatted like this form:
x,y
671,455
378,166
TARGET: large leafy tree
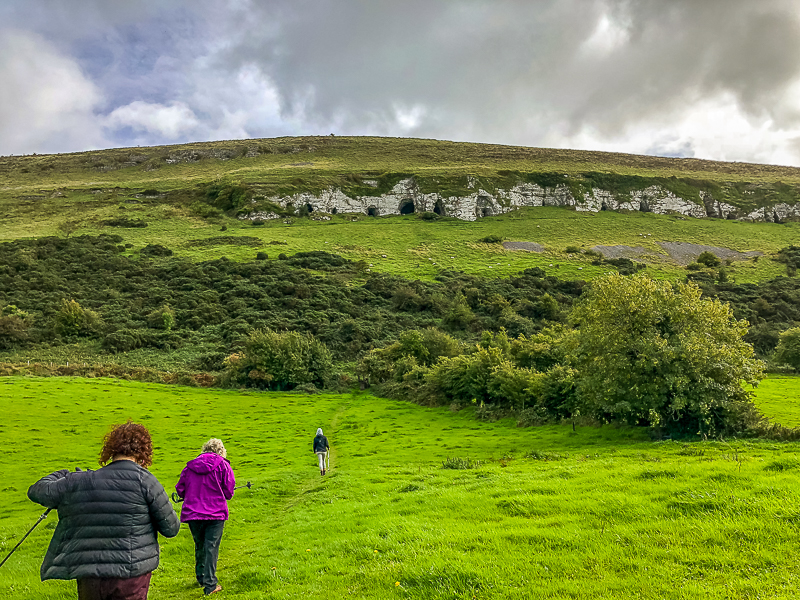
x,y
653,353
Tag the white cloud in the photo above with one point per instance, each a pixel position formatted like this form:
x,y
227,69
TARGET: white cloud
x,y
47,104
715,128
170,122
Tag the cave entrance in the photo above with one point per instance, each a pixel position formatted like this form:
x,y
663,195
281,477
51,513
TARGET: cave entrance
x,y
438,208
334,210
309,208
487,212
604,206
372,211
644,207
406,207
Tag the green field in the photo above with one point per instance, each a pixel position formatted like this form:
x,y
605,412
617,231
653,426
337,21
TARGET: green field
x,y
548,512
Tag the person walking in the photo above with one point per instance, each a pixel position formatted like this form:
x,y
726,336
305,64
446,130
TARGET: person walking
x,y
108,520
206,484
321,448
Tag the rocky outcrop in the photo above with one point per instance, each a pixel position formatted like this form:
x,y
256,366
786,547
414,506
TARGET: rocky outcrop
x,y
405,198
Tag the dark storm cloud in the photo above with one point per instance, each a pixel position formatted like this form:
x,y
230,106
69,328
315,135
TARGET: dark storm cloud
x,y
717,78
500,67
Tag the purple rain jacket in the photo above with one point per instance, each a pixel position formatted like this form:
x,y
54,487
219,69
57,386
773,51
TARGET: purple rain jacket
x,y
206,484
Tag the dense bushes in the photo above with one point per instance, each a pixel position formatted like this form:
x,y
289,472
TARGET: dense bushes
x,y
217,303
280,361
642,352
508,344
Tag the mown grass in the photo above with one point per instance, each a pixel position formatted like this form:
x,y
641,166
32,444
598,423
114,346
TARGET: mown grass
x,y
549,513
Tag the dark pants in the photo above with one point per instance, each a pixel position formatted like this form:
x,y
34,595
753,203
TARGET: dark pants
x,y
207,537
114,588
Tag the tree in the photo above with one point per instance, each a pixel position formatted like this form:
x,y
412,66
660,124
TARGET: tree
x,y
72,319
651,353
14,325
281,361
788,350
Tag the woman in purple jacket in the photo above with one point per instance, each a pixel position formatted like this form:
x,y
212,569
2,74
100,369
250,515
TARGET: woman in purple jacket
x,y
206,484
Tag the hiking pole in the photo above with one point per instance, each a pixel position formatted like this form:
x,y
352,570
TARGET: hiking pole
x,y
44,514
177,499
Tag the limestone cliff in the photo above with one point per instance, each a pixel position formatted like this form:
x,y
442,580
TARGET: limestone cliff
x,y
405,197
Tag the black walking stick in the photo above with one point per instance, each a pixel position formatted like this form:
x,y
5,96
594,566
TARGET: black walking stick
x,y
176,498
44,514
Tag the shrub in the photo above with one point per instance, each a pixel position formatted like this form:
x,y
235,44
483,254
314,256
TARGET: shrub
x,y
162,318
15,325
709,259
72,319
572,250
491,239
280,361
463,379
788,350
122,340
155,250
262,256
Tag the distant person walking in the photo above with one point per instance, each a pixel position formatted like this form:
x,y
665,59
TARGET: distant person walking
x,y
108,520
321,448
206,484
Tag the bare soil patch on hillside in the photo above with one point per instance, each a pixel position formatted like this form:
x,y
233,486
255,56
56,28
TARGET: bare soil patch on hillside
x,y
685,252
529,246
632,252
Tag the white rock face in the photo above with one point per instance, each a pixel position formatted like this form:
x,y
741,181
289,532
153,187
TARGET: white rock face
x,y
405,198
773,214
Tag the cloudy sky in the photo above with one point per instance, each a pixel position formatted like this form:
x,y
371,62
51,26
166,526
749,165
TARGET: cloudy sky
x,y
713,79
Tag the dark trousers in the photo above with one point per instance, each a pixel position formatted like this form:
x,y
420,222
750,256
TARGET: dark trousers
x,y
114,588
207,537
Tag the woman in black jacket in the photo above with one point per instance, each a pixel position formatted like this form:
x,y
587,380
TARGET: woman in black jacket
x,y
108,520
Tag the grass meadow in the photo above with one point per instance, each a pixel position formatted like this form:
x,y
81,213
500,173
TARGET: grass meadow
x,y
545,512
416,249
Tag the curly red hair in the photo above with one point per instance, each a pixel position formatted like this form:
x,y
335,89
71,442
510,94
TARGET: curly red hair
x,y
128,439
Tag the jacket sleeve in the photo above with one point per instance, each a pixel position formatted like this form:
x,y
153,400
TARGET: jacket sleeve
x,y
180,487
228,482
162,515
49,490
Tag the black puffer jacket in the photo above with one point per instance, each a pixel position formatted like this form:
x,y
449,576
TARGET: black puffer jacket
x,y
108,521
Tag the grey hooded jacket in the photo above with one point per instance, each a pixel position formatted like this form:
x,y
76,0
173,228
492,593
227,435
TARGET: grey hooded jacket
x,y
108,521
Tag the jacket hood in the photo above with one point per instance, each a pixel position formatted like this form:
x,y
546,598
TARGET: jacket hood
x,y
205,463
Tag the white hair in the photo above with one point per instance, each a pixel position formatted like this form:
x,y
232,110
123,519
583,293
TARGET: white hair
x,y
214,445
319,431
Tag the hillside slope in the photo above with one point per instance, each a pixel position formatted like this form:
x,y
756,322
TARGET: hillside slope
x,y
342,174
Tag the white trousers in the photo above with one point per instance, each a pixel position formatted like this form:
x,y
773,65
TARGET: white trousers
x,y
324,461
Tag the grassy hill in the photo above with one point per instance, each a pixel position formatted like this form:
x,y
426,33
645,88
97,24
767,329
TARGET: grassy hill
x,y
548,512
161,195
